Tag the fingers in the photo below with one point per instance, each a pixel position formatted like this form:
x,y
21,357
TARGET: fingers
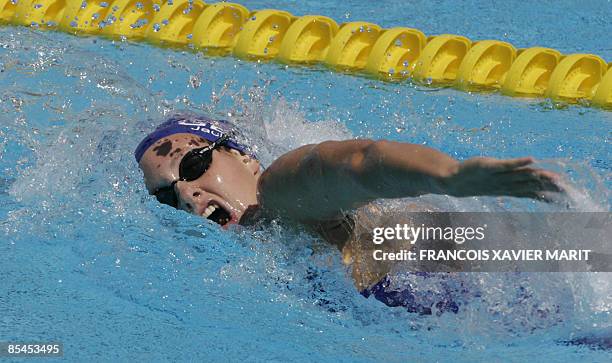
x,y
537,179
511,164
536,186
526,182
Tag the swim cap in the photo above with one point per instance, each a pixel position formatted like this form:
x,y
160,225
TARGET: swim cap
x,y
199,125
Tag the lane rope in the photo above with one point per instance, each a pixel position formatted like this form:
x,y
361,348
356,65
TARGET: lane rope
x,y
362,47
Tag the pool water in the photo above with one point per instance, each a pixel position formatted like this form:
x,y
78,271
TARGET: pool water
x,y
91,260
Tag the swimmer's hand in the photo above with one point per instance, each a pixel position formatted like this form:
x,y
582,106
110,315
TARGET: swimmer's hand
x,y
495,177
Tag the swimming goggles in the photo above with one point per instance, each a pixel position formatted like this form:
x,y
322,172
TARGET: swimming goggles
x,y
193,165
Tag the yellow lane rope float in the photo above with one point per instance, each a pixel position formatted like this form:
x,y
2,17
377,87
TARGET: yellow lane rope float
x,y
390,54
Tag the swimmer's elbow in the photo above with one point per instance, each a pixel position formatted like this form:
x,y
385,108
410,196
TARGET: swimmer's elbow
x,y
370,158
353,157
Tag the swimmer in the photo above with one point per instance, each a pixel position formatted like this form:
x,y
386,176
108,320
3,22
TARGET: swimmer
x,y
196,164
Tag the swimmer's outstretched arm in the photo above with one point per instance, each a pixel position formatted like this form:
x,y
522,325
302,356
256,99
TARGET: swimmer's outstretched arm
x,y
318,182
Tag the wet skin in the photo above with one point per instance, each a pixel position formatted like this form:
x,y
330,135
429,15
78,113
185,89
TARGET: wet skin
x,y
230,182
316,184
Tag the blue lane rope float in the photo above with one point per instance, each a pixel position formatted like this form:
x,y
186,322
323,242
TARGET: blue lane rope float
x,y
389,54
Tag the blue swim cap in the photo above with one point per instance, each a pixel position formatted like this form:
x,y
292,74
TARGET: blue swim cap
x,y
199,125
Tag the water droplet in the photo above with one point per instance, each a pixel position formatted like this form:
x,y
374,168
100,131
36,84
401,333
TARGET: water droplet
x,y
95,16
253,18
140,23
140,6
74,24
156,27
83,4
165,22
37,6
398,43
156,7
103,4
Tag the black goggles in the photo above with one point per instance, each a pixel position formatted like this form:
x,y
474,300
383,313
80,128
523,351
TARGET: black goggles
x,y
193,165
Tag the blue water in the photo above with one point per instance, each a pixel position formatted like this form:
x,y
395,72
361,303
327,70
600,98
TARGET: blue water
x,y
89,259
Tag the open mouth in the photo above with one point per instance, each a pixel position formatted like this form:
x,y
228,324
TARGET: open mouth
x,y
217,214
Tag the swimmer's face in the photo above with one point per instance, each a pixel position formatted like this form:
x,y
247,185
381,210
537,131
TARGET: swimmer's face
x,y
222,193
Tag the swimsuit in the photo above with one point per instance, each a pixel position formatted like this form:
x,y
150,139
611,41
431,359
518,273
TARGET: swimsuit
x,y
424,303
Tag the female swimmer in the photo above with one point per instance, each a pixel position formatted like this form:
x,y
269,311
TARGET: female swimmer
x,y
195,163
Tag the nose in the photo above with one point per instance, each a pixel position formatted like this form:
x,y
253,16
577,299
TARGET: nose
x,y
191,198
